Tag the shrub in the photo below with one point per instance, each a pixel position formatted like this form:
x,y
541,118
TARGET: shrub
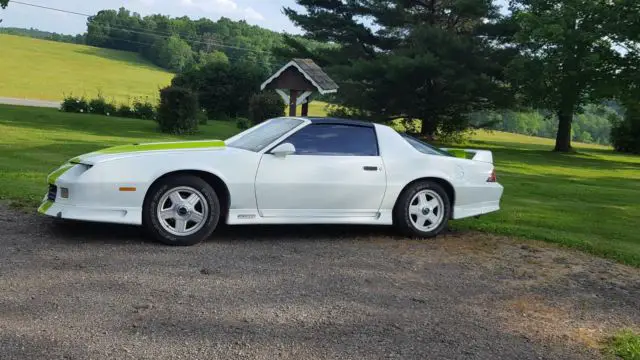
x,y
178,110
625,133
125,111
144,110
74,104
202,117
265,106
243,123
101,107
224,89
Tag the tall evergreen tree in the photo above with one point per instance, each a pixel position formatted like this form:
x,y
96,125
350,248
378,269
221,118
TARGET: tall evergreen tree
x,y
428,60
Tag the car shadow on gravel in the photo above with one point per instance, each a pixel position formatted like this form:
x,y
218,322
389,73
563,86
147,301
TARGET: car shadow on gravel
x,y
87,232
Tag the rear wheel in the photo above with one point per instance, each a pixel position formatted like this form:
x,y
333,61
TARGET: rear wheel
x,y
181,210
423,209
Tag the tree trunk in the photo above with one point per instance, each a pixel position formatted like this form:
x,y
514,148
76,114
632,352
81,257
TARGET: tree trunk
x,y
563,137
428,130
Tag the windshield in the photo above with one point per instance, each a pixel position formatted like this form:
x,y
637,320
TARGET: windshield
x,y
258,138
423,147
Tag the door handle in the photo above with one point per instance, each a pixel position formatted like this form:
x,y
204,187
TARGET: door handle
x,y
370,168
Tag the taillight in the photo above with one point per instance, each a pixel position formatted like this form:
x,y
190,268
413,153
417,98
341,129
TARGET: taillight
x,y
492,177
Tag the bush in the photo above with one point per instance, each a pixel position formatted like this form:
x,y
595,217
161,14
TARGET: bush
x,y
125,111
178,110
625,133
202,117
100,106
224,89
243,123
144,110
265,106
74,104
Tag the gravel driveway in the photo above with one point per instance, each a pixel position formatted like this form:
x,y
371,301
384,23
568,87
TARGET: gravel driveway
x,y
78,291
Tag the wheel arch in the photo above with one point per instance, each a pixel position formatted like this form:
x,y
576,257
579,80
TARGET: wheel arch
x,y
216,182
448,187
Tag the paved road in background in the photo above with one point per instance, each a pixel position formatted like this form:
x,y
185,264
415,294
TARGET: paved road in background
x,y
79,291
29,102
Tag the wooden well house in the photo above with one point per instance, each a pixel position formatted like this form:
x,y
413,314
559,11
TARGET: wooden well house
x,y
297,81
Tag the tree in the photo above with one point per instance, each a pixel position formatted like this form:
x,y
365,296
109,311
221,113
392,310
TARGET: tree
x,y
174,53
427,60
178,110
4,3
265,106
224,89
566,58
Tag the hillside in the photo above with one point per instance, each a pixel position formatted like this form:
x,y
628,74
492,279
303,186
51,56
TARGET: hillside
x,y
40,69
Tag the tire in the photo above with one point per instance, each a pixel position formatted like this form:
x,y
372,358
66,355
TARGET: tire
x,y
407,219
186,220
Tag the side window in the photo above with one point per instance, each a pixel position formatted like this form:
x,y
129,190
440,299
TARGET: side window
x,y
334,139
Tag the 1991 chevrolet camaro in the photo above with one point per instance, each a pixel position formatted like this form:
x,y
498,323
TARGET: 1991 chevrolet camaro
x,y
286,170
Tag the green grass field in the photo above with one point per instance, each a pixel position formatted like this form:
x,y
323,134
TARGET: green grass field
x,y
47,70
588,200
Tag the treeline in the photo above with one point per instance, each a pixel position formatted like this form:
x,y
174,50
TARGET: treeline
x,y
592,125
180,43
45,35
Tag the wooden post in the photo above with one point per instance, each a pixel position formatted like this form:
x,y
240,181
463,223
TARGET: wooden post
x,y
305,107
293,99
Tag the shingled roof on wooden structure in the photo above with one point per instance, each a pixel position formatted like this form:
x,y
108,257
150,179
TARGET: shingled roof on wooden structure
x,y
310,70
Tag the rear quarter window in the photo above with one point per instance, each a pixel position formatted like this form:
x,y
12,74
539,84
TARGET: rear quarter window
x,y
423,147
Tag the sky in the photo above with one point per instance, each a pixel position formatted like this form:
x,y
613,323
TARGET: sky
x,y
264,13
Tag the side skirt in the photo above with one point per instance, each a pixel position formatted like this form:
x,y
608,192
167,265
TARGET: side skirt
x,y
251,217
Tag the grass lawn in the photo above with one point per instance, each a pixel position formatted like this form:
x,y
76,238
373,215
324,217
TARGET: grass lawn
x,y
625,345
46,70
588,200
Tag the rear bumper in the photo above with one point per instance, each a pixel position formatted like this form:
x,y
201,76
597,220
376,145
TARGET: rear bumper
x,y
486,199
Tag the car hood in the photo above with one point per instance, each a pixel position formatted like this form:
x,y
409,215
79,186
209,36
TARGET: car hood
x,y
134,150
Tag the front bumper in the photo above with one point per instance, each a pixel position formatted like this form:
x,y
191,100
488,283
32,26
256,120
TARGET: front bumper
x,y
131,216
86,200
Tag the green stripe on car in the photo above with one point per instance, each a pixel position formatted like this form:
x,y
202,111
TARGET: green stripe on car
x,y
51,179
45,206
184,145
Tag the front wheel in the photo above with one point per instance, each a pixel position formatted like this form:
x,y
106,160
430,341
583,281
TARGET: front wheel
x,y
423,210
181,210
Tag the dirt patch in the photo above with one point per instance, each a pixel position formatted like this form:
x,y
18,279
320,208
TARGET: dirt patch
x,y
76,290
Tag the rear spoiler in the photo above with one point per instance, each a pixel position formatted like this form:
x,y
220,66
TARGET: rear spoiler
x,y
476,155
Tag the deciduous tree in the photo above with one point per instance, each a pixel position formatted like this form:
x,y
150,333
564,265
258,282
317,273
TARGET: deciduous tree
x,y
567,57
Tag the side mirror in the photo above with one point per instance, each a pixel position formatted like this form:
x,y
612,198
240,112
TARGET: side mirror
x,y
283,150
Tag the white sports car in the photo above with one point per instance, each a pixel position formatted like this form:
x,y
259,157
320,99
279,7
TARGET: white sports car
x,y
286,170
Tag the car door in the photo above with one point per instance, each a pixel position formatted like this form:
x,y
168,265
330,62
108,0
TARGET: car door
x,y
336,171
